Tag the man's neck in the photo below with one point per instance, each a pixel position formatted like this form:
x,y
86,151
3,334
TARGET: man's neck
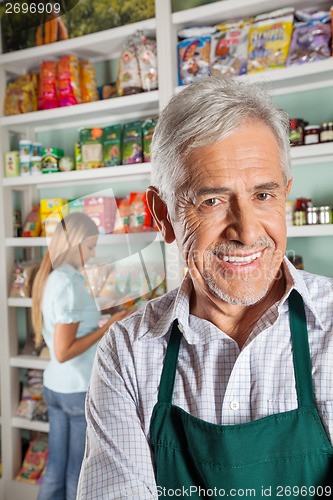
x,y
236,321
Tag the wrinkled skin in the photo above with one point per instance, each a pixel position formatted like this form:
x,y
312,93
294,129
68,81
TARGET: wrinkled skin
x,y
232,208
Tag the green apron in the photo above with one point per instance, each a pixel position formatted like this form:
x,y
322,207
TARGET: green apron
x,y
286,455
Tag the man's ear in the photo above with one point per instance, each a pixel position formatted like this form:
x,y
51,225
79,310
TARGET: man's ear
x,y
159,211
288,187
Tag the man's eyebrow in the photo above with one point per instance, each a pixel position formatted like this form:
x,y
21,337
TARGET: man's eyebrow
x,y
212,190
267,186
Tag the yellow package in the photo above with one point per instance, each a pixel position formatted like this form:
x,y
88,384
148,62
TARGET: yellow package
x,y
49,205
21,95
32,225
269,40
89,92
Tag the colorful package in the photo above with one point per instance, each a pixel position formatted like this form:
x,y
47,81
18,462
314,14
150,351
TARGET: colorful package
x,y
129,79
52,211
89,92
140,218
112,145
32,225
91,140
34,460
148,127
193,59
311,40
102,210
50,159
22,277
21,95
122,215
48,82
69,81
132,143
147,58
228,53
76,205
12,163
269,40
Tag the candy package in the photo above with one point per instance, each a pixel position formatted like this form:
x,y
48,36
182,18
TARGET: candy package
x,y
48,82
112,145
122,215
34,460
21,95
22,277
132,143
193,59
140,218
148,127
269,40
147,58
311,40
129,79
228,53
69,81
89,92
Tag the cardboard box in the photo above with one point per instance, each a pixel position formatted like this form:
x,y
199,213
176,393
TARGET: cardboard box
x,y
12,164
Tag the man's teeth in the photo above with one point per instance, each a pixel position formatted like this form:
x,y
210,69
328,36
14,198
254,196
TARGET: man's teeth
x,y
241,260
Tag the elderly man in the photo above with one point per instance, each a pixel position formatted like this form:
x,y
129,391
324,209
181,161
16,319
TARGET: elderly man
x,y
222,387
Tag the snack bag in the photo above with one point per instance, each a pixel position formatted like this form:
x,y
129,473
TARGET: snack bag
x,y
228,53
48,82
122,215
147,57
34,460
148,127
32,225
21,95
89,90
22,277
132,143
69,81
112,145
129,79
193,59
269,40
140,218
311,40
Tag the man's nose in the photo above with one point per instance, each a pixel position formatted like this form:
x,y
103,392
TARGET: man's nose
x,y
243,225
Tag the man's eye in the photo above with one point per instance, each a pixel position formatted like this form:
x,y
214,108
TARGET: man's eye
x,y
263,196
211,202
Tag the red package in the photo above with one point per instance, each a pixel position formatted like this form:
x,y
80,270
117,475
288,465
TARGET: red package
x,y
48,81
122,215
69,81
140,219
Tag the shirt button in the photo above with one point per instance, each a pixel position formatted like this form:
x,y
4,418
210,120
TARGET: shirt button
x,y
234,405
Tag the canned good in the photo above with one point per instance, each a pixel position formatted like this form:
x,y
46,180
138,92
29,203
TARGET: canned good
x,y
312,215
36,165
25,147
325,215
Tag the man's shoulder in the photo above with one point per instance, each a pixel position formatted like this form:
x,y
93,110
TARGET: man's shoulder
x,y
315,283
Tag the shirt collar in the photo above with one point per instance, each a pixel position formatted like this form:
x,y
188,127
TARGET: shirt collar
x,y
179,308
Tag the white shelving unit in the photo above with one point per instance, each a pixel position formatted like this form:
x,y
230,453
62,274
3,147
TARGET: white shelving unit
x,y
97,47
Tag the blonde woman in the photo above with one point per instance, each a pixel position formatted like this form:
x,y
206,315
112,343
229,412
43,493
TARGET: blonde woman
x,y
65,315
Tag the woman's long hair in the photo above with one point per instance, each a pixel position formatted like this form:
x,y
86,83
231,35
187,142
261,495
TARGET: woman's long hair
x,y
70,233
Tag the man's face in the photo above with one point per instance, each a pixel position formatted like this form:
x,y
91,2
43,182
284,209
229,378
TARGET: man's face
x,y
229,220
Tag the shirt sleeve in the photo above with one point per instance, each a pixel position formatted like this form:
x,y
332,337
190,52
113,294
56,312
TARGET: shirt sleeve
x,y
68,299
118,460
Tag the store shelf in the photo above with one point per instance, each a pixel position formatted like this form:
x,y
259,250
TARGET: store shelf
x,y
19,302
108,239
227,9
114,174
95,46
314,153
31,362
115,109
31,425
310,231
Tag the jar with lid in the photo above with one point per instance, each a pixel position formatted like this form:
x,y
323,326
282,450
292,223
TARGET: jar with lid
x,y
312,134
312,215
325,215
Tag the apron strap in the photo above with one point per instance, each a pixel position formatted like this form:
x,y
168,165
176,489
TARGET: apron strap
x,y
301,351
169,366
